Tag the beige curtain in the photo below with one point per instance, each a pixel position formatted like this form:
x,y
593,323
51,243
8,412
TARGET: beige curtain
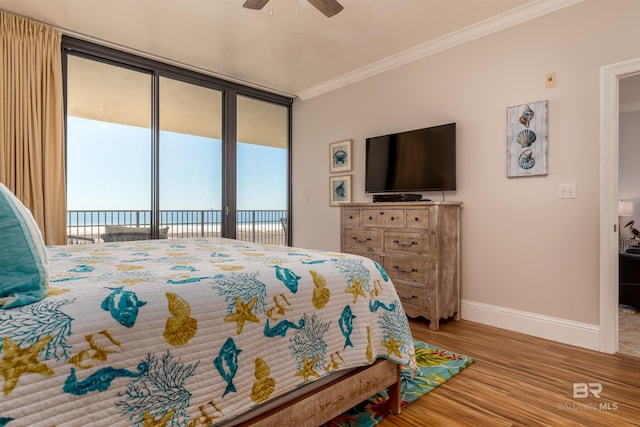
x,y
32,121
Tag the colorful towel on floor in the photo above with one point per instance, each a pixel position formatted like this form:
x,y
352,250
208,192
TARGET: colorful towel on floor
x,y
435,367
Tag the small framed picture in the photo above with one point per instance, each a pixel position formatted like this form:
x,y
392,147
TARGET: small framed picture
x,y
340,156
527,139
339,189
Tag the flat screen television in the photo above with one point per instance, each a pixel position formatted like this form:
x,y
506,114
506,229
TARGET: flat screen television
x,y
415,160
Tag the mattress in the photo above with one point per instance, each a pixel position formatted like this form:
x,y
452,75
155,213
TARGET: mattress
x,y
190,332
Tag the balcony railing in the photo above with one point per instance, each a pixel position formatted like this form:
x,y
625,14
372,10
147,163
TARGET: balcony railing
x,y
259,226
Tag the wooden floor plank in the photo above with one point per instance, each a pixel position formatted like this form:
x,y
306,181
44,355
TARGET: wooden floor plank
x,y
519,380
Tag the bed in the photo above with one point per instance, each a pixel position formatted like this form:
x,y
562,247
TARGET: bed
x,y
198,332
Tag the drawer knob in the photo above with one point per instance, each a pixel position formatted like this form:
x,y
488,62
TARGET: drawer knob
x,y
413,270
392,218
350,216
414,297
397,242
416,219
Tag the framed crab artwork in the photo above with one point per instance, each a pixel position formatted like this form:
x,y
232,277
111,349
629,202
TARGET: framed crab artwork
x,y
527,139
340,156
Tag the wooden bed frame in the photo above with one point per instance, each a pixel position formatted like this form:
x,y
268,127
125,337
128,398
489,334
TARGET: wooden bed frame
x,y
323,404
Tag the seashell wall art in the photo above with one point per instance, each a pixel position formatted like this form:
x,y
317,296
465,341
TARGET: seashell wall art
x,y
527,138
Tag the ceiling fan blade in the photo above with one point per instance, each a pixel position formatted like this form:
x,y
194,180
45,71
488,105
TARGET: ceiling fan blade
x,y
328,7
255,4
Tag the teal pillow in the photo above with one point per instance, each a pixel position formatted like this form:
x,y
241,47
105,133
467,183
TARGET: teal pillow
x,y
23,255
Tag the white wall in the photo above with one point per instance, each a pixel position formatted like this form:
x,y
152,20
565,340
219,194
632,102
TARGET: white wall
x,y
524,250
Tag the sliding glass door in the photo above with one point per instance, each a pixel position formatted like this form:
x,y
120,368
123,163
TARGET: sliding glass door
x,y
190,154
108,148
261,171
156,151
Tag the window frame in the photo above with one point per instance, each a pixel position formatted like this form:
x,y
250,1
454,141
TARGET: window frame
x,y
230,91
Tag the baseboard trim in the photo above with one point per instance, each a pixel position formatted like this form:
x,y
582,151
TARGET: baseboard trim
x,y
551,328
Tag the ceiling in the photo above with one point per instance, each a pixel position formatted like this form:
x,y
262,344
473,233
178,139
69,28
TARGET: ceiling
x,y
102,92
288,47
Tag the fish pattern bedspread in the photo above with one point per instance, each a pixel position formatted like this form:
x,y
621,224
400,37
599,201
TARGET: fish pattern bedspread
x,y
190,332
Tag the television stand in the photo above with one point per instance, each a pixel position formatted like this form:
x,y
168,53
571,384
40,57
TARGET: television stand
x,y
401,197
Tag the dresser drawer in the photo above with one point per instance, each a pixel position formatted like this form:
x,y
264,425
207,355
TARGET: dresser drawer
x,y
363,240
417,218
350,217
406,243
383,217
409,269
414,298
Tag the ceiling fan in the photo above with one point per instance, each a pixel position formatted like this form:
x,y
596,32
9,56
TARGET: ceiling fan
x,y
328,7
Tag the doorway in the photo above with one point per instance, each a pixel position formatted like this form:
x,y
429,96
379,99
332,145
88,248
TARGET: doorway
x,y
609,174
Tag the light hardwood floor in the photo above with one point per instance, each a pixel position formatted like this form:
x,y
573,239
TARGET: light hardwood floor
x,y
519,380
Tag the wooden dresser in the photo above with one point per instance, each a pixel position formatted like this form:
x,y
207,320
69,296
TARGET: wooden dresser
x,y
418,244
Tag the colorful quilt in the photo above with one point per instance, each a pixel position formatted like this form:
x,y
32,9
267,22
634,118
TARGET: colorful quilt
x,y
190,332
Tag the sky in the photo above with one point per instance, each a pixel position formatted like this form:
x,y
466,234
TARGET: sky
x,y
109,168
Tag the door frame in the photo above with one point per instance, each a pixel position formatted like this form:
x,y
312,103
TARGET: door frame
x,y
609,149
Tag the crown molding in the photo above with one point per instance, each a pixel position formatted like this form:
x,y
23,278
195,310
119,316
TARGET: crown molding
x,y
498,23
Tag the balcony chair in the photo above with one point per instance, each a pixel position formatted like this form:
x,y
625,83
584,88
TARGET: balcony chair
x,y
120,233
